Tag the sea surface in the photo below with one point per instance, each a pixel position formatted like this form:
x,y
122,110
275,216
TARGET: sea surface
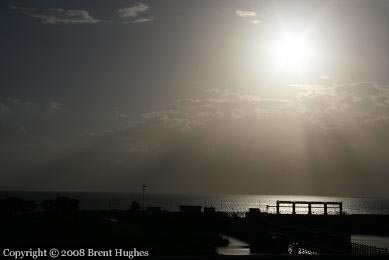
x,y
370,240
228,203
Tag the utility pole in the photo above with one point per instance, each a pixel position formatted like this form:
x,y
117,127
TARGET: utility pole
x,y
144,187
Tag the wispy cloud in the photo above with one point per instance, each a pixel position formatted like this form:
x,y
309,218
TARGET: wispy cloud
x,y
57,15
16,105
144,20
188,114
242,13
54,107
119,113
378,121
4,109
356,103
329,107
133,11
20,107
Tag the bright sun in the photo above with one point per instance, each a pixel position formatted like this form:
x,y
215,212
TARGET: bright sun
x,y
292,52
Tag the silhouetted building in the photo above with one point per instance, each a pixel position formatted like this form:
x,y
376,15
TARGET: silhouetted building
x,y
15,205
135,206
153,210
61,205
253,212
190,209
209,210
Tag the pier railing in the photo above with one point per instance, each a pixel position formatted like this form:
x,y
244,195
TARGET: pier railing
x,y
309,205
359,249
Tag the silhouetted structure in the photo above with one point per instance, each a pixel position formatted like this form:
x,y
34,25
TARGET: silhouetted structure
x,y
153,210
61,205
144,188
190,209
189,232
209,210
310,204
135,207
253,212
15,205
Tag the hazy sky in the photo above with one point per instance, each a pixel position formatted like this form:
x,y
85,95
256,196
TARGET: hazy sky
x,y
262,97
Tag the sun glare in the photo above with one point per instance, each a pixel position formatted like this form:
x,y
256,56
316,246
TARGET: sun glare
x,y
292,52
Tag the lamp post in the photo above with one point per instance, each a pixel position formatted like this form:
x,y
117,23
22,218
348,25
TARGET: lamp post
x,y
144,187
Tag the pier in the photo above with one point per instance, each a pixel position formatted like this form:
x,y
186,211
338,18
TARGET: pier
x,y
309,205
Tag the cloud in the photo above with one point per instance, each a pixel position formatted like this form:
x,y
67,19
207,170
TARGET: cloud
x,y
378,121
355,103
144,20
119,114
133,11
225,133
24,122
54,107
329,107
245,14
16,105
255,21
19,107
196,141
238,113
4,110
191,113
57,15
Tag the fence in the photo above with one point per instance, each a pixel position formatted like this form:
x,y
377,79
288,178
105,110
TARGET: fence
x,y
359,249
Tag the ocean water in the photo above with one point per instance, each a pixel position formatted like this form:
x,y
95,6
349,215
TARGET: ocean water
x,y
228,203
370,240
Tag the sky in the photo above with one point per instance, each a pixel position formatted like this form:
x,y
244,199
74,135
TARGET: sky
x,y
253,97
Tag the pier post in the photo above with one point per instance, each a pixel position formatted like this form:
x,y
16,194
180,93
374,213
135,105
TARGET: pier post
x,y
309,208
295,249
293,208
340,208
278,207
325,208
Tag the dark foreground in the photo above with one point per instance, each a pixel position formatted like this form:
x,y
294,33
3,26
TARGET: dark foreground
x,y
178,235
